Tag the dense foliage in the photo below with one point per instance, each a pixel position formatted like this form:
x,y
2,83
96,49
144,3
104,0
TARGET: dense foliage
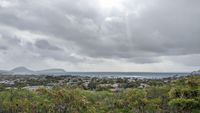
x,y
180,96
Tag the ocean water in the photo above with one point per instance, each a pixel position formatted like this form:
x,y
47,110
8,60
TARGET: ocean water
x,y
148,75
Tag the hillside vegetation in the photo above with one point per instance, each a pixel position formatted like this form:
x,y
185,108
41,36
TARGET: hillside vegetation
x,y
179,96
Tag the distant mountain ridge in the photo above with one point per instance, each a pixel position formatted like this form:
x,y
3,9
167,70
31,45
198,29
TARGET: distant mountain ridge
x,y
196,72
25,71
21,70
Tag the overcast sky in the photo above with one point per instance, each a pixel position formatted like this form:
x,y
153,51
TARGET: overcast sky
x,y
100,35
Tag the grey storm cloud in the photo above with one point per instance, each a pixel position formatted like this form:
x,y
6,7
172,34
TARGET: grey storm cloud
x,y
3,48
137,31
43,44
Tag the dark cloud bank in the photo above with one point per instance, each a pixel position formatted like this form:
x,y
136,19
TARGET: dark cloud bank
x,y
87,34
